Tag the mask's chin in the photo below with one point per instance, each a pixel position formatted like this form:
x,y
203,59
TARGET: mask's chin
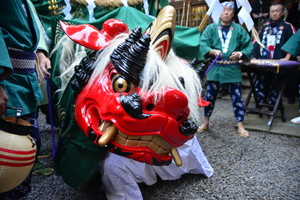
x,y
154,142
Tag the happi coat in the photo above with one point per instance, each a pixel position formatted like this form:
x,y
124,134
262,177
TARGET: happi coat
x,y
238,39
292,46
19,32
281,32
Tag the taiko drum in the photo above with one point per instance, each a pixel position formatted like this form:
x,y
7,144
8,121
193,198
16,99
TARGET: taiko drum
x,y
17,152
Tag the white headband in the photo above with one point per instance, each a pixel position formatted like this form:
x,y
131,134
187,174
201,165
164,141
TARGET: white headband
x,y
228,4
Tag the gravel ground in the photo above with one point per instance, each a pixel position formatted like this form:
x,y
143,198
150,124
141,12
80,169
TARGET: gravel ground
x,y
263,167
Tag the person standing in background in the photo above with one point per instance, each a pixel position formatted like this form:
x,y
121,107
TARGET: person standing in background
x,y
292,48
293,13
274,35
260,12
232,43
21,45
5,70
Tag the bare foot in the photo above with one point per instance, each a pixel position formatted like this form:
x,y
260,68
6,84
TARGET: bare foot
x,y
202,128
242,131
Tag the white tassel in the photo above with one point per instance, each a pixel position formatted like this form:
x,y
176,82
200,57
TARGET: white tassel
x,y
146,7
125,3
91,5
67,10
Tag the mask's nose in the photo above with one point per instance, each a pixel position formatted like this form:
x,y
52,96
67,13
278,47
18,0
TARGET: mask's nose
x,y
172,102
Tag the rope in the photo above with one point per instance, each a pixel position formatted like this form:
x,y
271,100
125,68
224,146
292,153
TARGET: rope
x,y
51,118
109,3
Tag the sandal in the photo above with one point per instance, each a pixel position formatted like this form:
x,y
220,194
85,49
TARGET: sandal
x,y
44,154
202,129
244,133
41,170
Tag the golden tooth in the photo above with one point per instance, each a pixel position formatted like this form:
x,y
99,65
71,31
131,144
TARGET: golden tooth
x,y
176,156
108,135
104,125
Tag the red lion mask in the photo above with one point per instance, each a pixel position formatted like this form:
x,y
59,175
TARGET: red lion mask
x,y
114,112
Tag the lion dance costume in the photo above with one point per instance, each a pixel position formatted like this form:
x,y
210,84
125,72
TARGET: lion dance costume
x,y
135,108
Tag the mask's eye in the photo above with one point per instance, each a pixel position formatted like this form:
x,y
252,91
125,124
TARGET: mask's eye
x,y
120,84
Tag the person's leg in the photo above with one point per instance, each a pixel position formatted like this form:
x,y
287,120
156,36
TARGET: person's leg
x,y
296,120
262,86
35,131
273,95
38,168
120,177
238,107
193,162
291,88
212,90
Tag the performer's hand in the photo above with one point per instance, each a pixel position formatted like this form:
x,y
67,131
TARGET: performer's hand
x,y
287,57
215,52
44,63
235,55
298,58
3,100
255,15
265,14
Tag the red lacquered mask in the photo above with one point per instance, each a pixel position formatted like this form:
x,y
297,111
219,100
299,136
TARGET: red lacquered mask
x,y
115,113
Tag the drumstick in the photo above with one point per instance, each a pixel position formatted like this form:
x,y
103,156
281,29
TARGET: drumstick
x,y
212,64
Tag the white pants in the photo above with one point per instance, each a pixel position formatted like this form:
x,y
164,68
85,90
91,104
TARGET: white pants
x,y
120,175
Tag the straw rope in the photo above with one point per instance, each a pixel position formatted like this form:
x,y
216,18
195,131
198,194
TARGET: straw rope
x,y
109,3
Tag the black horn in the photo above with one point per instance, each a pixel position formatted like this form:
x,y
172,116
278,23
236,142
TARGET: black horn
x,y
129,58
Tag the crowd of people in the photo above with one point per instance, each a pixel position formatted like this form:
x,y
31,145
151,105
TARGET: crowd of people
x,y
228,41
22,43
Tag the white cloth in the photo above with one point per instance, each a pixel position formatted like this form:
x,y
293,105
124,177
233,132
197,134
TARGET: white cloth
x,y
120,175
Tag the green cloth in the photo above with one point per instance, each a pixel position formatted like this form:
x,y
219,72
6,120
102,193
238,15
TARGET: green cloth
x,y
77,157
240,41
154,6
4,57
42,45
19,32
292,46
187,43
42,42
